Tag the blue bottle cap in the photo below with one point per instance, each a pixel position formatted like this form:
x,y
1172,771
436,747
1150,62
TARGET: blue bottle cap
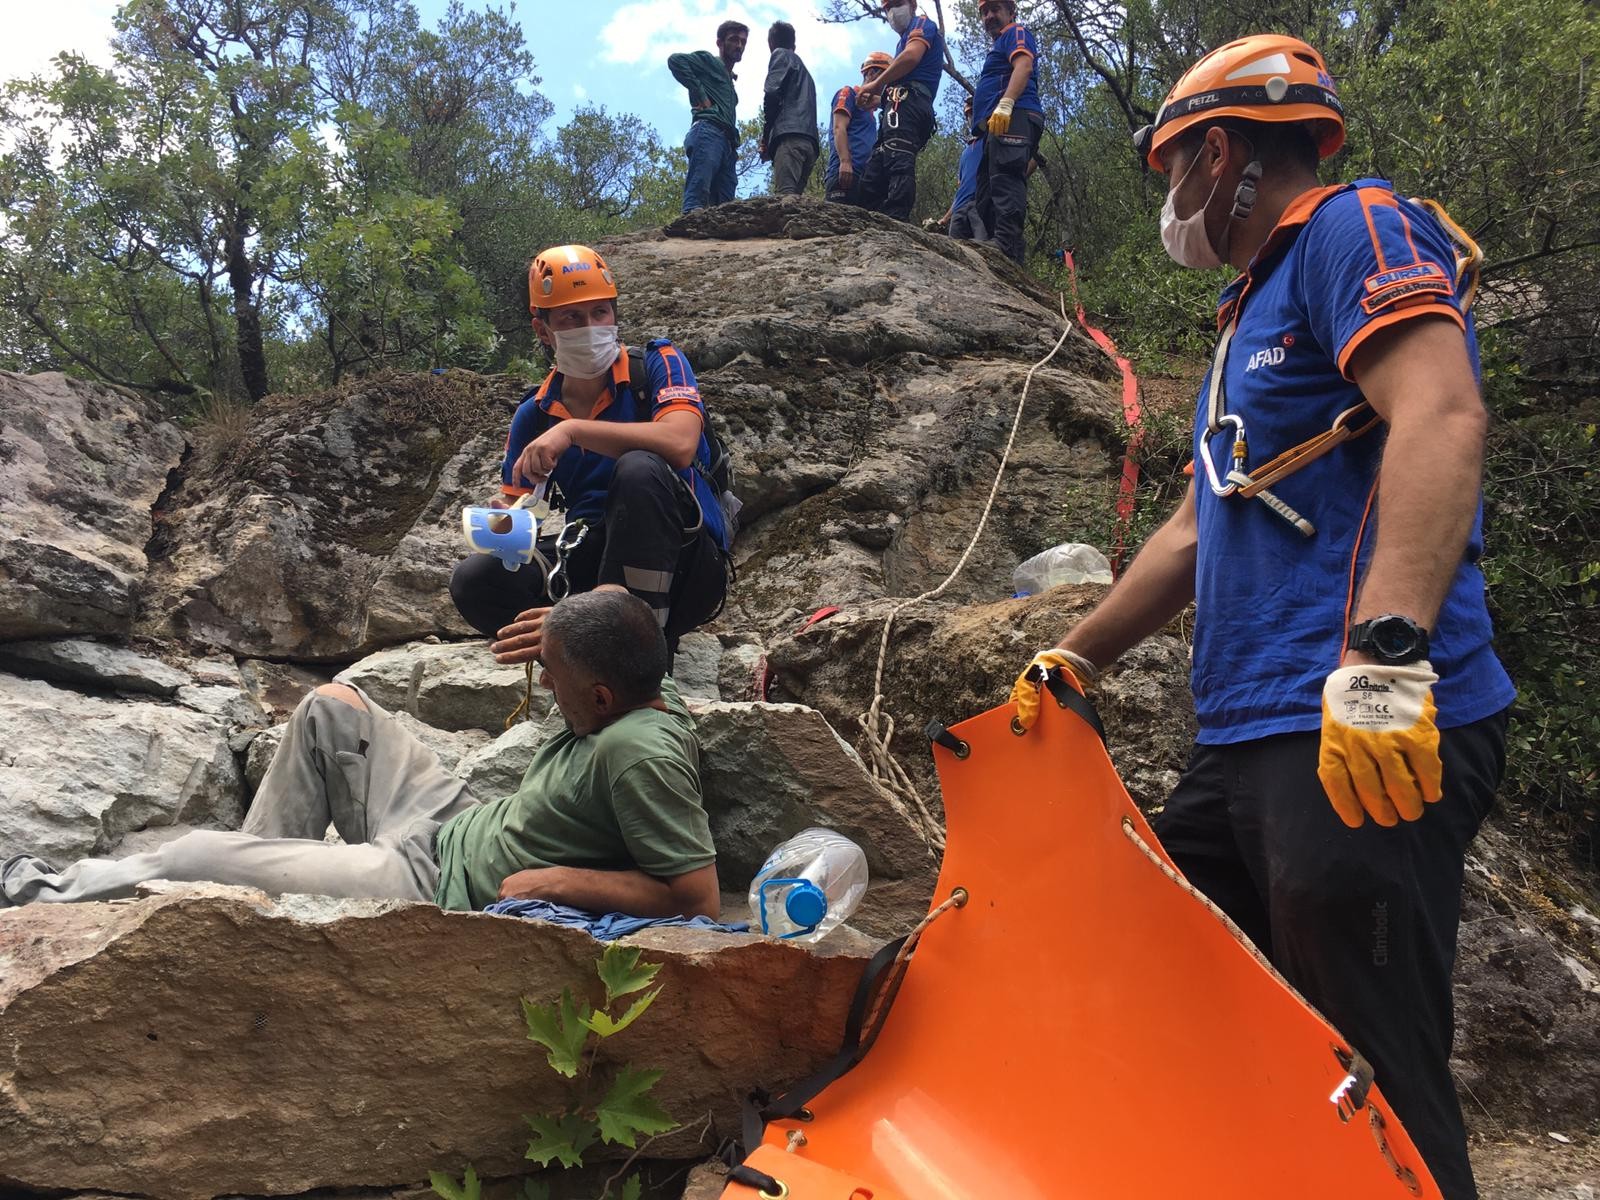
x,y
806,904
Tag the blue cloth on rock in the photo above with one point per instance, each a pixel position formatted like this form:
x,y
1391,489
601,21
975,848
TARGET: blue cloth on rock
x,y
604,927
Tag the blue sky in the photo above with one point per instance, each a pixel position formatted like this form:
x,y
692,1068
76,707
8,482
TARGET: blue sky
x,y
610,52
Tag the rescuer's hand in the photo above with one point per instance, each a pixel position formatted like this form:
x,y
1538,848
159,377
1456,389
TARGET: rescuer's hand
x,y
1025,693
1380,747
1000,118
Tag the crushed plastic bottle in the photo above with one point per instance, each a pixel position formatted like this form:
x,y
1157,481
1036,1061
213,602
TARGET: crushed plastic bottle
x,y
808,885
1070,562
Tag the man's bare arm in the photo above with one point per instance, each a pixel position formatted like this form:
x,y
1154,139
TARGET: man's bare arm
x,y
1418,378
1155,588
696,893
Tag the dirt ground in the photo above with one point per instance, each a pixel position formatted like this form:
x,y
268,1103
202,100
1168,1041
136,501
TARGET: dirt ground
x,y
1537,1168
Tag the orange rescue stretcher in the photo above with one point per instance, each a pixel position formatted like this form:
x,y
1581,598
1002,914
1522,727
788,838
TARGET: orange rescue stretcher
x,y
1077,1023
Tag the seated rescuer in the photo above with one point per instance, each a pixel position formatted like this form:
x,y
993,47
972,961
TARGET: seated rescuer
x,y
1343,668
906,89
608,817
1007,114
853,133
630,467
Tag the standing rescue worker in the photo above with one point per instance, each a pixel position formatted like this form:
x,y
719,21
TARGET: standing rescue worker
x,y
789,104
713,142
1352,712
853,132
1007,115
905,92
626,446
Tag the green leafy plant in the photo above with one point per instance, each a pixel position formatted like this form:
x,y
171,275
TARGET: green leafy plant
x,y
611,1107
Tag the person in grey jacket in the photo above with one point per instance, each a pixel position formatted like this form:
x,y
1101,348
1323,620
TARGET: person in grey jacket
x,y
789,137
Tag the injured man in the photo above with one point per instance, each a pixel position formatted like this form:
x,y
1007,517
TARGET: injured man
x,y
608,818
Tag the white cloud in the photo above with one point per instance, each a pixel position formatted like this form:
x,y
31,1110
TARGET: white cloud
x,y
36,33
648,32
579,92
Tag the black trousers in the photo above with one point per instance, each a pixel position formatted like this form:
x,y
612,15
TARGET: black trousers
x,y
652,542
1361,921
1003,181
889,182
964,224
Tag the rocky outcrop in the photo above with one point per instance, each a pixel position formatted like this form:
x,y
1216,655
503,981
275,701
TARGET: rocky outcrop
x,y
209,1041
867,395
77,772
948,662
81,466
452,685
329,527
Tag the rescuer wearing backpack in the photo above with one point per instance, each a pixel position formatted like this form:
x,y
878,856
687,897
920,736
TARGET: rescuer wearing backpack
x,y
642,479
1352,712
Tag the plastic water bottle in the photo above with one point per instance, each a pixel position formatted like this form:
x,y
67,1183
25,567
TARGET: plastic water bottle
x,y
808,885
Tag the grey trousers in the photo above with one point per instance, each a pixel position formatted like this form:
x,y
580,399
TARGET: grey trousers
x,y
792,160
383,790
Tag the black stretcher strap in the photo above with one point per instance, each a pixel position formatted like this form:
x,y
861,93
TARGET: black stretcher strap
x,y
1068,696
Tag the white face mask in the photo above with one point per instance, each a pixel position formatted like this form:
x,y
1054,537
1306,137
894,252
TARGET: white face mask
x,y
585,352
900,18
1185,238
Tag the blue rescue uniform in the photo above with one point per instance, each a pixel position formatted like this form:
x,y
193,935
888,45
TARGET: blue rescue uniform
x,y
1343,263
861,132
584,476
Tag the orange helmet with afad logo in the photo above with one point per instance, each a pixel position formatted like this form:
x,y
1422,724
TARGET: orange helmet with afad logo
x,y
568,275
877,60
1265,77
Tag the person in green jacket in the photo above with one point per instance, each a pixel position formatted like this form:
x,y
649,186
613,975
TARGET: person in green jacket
x,y
608,817
713,141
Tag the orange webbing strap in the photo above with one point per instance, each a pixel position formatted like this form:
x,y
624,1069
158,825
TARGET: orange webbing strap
x,y
1131,414
1344,429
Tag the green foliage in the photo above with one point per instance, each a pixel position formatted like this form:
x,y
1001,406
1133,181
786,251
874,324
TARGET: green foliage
x,y
446,1186
571,1030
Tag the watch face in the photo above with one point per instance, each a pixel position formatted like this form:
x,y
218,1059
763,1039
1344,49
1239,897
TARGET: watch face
x,y
1393,638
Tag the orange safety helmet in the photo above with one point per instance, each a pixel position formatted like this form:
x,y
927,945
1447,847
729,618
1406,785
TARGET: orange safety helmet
x,y
568,275
1265,77
877,59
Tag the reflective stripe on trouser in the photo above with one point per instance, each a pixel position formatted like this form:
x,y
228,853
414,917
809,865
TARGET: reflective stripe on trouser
x,y
1361,921
888,184
384,791
652,524
1002,199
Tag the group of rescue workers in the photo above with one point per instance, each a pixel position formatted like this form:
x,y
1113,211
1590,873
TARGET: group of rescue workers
x,y
876,129
1352,713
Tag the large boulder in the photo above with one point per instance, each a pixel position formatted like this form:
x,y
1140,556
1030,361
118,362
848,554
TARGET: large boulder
x,y
866,375
450,685
209,1041
947,662
330,526
81,465
78,772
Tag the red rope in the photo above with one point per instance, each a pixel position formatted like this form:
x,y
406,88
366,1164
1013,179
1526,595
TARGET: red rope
x,y
1131,414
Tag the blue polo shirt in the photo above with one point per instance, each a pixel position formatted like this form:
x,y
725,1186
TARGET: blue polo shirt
x,y
1014,39
1343,263
930,70
860,135
584,476
967,175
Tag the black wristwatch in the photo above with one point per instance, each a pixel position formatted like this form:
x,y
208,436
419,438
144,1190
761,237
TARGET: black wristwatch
x,y
1393,640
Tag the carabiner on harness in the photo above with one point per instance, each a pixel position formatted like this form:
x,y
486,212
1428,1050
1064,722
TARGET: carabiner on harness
x,y
891,116
568,540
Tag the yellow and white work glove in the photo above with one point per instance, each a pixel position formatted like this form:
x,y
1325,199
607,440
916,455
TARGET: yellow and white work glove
x,y
1380,746
1026,691
1000,118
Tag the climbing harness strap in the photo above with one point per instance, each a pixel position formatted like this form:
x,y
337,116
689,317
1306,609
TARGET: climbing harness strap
x,y
892,96
1353,422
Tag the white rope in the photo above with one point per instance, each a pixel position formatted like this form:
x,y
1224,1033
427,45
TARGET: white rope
x,y
877,725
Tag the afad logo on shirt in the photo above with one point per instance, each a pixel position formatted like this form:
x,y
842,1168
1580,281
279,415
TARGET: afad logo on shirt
x,y
1272,356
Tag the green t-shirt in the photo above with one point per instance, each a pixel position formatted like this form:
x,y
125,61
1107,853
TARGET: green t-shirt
x,y
622,798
